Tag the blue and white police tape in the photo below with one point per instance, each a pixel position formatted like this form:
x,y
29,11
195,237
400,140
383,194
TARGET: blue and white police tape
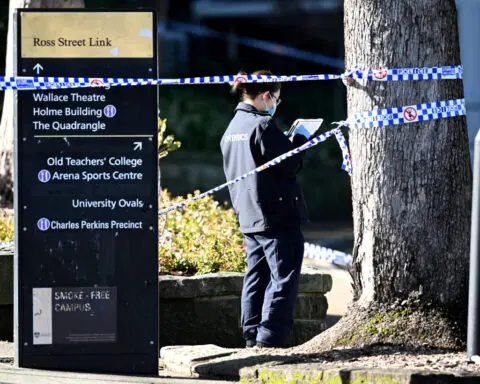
x,y
399,74
309,144
408,114
32,83
317,252
346,163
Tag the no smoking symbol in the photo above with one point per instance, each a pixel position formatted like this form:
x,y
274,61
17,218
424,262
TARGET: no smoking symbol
x,y
240,79
380,73
410,114
97,83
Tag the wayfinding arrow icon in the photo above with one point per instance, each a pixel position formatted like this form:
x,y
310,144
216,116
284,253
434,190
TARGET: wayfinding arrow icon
x,y
38,68
137,145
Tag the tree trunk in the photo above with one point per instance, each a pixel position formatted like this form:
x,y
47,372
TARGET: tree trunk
x,y
6,125
411,184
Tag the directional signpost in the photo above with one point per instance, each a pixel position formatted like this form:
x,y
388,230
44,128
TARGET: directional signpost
x,y
86,194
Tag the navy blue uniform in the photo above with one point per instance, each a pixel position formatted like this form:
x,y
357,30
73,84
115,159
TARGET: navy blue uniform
x,y
270,208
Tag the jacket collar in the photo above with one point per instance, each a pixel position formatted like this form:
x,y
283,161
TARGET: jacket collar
x,y
250,108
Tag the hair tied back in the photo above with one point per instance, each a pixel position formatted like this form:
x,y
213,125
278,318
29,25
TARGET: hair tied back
x,y
238,84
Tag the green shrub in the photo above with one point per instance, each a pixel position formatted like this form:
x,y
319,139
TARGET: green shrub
x,y
203,237
166,144
6,226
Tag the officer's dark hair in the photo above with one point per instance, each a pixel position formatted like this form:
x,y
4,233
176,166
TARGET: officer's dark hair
x,y
252,90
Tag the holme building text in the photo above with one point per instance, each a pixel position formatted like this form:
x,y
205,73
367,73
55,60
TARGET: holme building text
x,y
63,42
64,108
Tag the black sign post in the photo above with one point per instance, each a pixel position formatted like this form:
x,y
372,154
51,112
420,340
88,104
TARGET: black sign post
x,y
86,194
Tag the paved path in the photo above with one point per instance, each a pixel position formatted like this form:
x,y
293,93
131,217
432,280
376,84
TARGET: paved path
x,y
11,375
6,350
341,294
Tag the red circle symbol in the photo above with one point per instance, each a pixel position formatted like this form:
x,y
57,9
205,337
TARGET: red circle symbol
x,y
410,113
380,73
240,79
97,83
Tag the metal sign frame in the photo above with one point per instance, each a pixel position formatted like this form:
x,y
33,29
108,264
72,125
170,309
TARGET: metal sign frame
x,y
121,293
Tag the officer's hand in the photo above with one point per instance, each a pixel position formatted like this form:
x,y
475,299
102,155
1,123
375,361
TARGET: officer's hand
x,y
301,130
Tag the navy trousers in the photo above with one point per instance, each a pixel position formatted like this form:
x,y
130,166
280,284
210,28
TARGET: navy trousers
x,y
270,286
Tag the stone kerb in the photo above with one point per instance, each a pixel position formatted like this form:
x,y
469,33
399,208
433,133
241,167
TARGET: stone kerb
x,y
206,309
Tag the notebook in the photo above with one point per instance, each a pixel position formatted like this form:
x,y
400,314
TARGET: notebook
x,y
311,125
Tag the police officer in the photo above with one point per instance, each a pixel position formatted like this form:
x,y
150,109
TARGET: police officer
x,y
270,208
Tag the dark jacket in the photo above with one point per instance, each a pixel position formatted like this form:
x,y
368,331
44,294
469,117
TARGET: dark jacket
x,y
271,199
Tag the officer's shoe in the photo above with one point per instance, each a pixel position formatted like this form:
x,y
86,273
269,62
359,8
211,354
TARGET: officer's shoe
x,y
251,343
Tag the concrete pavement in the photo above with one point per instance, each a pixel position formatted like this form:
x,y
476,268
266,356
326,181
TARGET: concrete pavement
x,y
11,375
341,294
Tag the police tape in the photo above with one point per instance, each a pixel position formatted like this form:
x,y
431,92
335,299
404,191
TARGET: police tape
x,y
400,74
319,253
41,83
407,114
32,83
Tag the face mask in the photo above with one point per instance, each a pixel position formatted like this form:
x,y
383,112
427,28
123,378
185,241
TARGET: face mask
x,y
271,110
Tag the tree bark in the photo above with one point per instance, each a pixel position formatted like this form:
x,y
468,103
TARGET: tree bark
x,y
6,125
411,184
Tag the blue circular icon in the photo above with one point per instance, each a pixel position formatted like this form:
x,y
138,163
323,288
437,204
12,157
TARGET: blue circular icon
x,y
43,224
44,176
109,111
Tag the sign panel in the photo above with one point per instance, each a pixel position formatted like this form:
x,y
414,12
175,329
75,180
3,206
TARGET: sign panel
x,y
73,313
86,194
87,34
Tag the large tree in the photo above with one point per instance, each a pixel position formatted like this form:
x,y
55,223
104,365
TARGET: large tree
x,y
411,184
6,125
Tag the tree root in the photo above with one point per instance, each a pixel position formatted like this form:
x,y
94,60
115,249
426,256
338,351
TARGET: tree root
x,y
409,324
